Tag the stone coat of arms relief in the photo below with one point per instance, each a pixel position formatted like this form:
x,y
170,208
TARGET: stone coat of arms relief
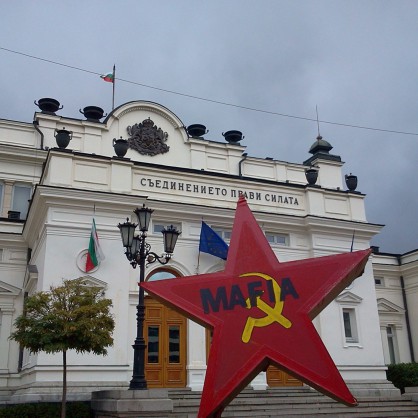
x,y
147,139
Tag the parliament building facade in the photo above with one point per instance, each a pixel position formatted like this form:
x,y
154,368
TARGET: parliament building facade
x,y
50,191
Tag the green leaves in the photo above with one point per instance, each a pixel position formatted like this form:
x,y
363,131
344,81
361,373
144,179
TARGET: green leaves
x,y
71,316
403,375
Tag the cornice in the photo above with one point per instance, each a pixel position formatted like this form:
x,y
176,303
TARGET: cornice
x,y
15,123
138,105
317,223
18,152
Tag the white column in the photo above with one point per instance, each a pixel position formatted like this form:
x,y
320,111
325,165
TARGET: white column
x,y
6,329
196,356
385,345
260,382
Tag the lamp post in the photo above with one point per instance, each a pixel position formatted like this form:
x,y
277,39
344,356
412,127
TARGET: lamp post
x,y
137,251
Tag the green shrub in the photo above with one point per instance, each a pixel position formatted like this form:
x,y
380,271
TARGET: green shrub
x,y
403,375
45,410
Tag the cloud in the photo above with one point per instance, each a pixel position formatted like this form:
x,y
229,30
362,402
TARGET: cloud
x,y
353,60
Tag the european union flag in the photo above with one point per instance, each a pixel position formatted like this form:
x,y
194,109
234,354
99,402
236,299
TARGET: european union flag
x,y
212,243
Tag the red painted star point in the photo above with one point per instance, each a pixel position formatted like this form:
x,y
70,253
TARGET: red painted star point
x,y
261,313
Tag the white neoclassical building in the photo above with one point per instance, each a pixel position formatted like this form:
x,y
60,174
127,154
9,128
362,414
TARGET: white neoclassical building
x,y
49,196
396,282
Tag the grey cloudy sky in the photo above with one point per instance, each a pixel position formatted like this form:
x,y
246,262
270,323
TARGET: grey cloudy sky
x,y
357,61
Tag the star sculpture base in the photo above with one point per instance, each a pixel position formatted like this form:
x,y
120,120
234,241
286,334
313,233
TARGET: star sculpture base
x,y
261,313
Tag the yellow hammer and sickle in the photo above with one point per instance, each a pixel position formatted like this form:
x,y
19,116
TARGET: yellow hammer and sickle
x,y
272,314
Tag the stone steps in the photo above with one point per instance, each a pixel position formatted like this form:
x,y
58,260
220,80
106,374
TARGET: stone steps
x,y
296,403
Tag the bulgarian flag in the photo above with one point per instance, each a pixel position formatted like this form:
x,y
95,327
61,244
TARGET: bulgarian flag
x,y
95,253
109,77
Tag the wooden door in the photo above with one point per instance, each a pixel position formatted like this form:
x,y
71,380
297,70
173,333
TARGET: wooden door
x,y
165,337
276,377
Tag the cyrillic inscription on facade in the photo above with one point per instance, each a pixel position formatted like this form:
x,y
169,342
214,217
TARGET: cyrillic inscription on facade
x,y
200,190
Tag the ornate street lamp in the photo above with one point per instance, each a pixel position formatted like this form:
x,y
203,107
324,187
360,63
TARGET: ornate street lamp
x,y
137,251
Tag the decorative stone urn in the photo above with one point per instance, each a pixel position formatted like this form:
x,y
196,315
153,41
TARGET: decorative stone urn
x,y
311,176
233,136
93,113
63,137
48,105
197,130
121,146
351,182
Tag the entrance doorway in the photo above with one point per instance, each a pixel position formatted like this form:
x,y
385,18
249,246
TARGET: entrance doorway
x,y
276,377
165,333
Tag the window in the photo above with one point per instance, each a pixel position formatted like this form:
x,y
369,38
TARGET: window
x,y
379,282
161,274
350,325
225,234
1,197
277,239
174,344
390,331
157,227
153,344
20,201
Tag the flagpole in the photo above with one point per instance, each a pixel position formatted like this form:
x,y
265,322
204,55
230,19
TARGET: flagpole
x,y
198,263
198,254
352,241
114,81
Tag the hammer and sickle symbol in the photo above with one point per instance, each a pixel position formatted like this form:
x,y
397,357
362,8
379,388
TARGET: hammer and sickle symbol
x,y
272,314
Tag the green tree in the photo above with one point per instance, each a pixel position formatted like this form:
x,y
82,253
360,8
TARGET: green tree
x,y
73,316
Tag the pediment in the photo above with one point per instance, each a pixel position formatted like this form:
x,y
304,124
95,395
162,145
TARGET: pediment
x,y
93,282
348,298
144,107
385,306
8,290
153,133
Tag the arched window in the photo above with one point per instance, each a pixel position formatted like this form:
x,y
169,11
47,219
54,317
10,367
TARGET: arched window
x,y
161,274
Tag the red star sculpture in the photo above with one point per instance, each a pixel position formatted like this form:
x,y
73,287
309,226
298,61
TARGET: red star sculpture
x,y
260,311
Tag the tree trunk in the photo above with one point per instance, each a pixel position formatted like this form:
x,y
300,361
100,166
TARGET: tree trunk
x,y
64,383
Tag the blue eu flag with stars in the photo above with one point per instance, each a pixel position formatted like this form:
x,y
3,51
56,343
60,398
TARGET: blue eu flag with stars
x,y
212,243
